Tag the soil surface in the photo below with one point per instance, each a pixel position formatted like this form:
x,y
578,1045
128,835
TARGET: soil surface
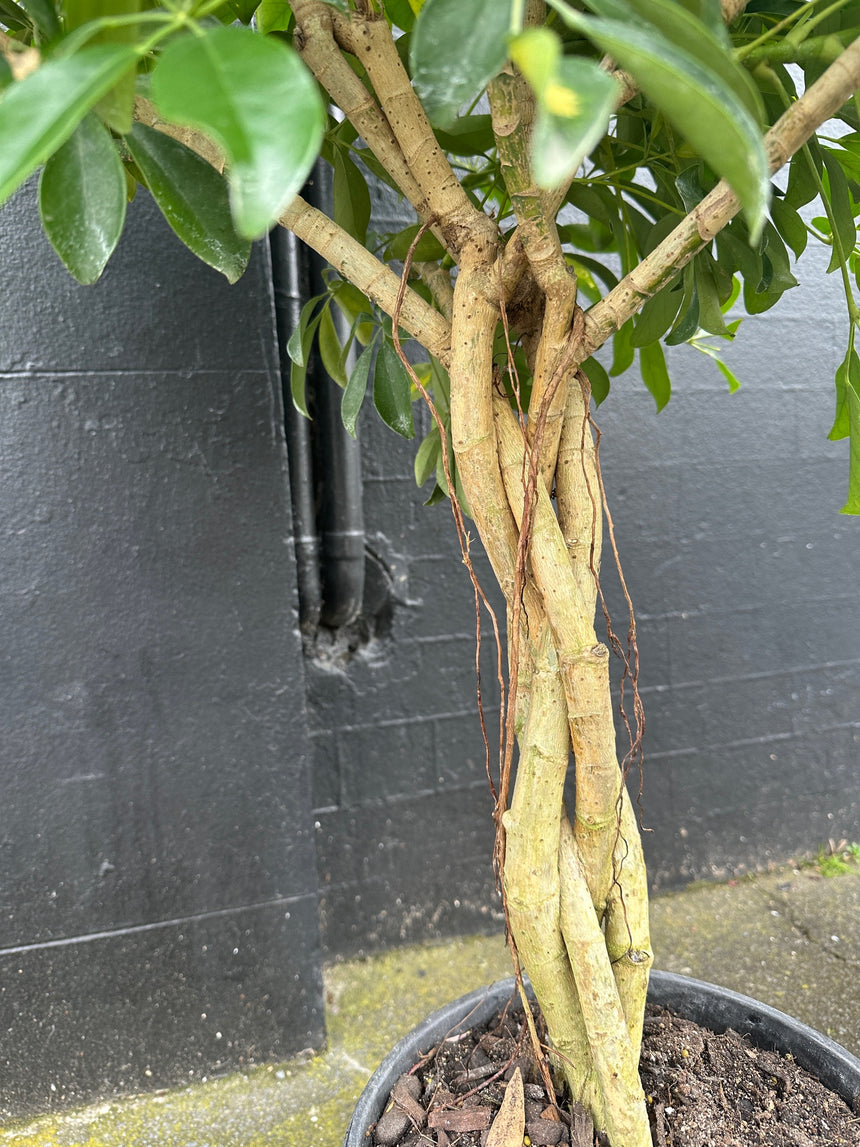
x,y
703,1090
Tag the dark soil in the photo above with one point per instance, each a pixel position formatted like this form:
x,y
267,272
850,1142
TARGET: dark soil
x,y
703,1090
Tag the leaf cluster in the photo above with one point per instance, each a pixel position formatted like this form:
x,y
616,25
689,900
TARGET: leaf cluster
x,y
122,88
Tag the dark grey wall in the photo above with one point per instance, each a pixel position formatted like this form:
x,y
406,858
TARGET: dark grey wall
x,y
157,882
744,576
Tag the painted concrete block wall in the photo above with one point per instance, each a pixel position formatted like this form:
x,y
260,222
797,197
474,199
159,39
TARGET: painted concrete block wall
x,y
157,884
742,570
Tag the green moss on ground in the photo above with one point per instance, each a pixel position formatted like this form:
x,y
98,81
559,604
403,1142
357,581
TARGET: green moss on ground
x,y
371,1004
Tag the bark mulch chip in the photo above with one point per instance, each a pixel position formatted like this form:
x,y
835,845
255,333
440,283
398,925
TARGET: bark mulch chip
x,y
703,1090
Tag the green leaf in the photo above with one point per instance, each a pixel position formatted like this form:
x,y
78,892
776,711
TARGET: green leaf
x,y
82,199
38,114
840,205
392,391
457,47
657,315
695,100
598,378
790,226
297,343
273,16
331,351
299,350
847,377
623,351
428,250
687,322
355,307
13,16
573,114
438,495
192,196
468,135
116,107
400,13
43,16
710,46
235,86
731,379
356,388
575,100
427,457
652,364
802,185
351,197
711,318
852,506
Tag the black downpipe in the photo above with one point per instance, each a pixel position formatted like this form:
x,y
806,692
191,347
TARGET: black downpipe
x,y
290,280
327,462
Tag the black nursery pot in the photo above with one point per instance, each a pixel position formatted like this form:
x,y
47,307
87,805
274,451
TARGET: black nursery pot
x,y
705,1004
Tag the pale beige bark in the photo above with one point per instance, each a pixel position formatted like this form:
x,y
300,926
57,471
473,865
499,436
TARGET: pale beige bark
x,y
354,262
458,219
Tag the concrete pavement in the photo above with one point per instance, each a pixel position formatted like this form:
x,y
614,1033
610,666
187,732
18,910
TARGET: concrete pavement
x,y
790,938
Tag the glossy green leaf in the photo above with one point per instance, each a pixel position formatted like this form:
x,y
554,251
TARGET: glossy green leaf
x,y
117,105
297,341
847,377
802,185
711,318
427,457
355,390
575,99
573,115
236,86
710,46
43,15
351,196
598,379
695,100
687,322
331,352
734,250
274,16
82,199
400,13
39,114
790,226
428,250
392,391
192,197
13,16
657,315
355,307
623,351
730,377
6,77
845,230
652,364
299,350
852,505
468,135
457,47
241,10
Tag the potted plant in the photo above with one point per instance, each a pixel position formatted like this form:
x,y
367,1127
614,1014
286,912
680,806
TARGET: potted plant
x,y
579,175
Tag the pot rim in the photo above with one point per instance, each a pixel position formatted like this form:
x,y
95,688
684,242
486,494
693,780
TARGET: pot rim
x,y
706,1004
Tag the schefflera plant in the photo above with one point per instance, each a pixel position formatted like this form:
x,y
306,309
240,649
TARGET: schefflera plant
x,y
652,130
